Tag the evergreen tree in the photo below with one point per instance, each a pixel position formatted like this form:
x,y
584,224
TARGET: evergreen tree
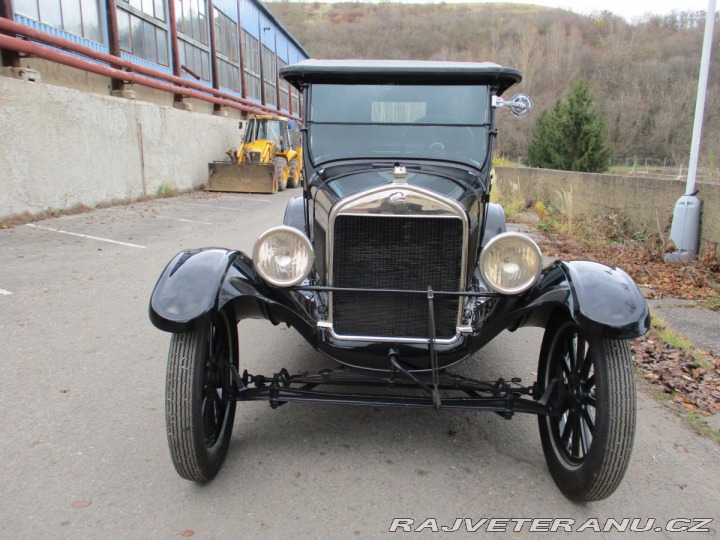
x,y
571,137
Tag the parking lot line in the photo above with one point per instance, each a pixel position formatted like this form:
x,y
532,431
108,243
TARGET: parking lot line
x,y
126,244
185,220
209,206
161,217
241,198
4,292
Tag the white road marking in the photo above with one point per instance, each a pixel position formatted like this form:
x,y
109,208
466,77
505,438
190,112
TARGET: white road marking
x,y
4,292
160,217
126,244
240,198
184,220
210,206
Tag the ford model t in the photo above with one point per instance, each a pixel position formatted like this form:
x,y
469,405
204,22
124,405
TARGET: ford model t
x,y
395,264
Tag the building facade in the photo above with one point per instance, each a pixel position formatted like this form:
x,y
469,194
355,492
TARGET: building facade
x,y
233,46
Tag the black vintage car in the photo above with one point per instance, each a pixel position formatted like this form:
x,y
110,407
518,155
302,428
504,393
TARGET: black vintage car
x,y
395,264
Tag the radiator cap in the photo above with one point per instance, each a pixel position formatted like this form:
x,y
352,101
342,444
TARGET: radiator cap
x,y
400,174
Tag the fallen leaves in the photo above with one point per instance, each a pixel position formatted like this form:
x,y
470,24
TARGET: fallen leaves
x,y
692,280
679,374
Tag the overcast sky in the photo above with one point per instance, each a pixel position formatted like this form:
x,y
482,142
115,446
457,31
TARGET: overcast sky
x,y
625,8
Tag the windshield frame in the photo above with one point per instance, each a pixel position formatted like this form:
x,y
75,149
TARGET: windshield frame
x,y
480,130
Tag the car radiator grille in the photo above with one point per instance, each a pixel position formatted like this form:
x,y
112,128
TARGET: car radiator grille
x,y
396,253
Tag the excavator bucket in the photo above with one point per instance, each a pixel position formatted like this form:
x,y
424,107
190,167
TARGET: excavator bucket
x,y
242,178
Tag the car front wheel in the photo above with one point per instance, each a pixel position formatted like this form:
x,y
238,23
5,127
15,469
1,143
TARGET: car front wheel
x,y
588,438
199,409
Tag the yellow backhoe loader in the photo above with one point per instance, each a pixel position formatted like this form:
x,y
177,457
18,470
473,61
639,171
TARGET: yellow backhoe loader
x,y
268,159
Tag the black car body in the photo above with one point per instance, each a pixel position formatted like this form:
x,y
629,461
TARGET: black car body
x,y
395,264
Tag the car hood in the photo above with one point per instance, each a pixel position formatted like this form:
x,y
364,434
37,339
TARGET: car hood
x,y
454,182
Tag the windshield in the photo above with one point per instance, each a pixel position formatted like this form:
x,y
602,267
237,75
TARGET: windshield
x,y
263,130
399,122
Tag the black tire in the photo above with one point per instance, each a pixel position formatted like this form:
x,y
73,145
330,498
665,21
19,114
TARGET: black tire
x,y
294,175
588,444
199,413
280,166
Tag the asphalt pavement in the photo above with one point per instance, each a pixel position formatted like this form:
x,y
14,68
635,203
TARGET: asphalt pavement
x,y
686,317
83,452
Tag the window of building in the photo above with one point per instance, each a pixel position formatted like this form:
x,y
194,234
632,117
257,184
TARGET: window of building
x,y
193,38
228,54
78,17
269,64
284,88
295,97
251,58
142,29
191,21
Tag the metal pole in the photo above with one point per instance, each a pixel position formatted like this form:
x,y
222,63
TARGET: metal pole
x,y
700,102
8,58
119,63
117,85
243,89
35,49
217,110
685,230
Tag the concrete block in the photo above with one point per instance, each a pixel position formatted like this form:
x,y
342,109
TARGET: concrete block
x,y
25,74
182,105
125,94
646,203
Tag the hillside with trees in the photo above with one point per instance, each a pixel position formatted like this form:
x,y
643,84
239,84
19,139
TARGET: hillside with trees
x,y
643,75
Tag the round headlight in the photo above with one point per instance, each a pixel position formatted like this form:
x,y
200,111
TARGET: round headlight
x,y
283,256
510,263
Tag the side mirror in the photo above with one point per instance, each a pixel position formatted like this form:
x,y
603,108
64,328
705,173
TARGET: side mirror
x,y
240,125
520,104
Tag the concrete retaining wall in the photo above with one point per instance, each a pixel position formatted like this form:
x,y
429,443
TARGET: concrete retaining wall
x,y
60,147
644,202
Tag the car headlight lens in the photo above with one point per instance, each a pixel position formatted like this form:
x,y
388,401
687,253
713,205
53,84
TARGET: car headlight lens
x,y
283,256
510,263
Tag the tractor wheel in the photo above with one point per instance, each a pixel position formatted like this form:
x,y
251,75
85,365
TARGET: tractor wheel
x,y
281,172
294,176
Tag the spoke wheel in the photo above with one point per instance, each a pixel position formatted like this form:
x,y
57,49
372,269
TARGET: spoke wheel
x,y
588,439
199,409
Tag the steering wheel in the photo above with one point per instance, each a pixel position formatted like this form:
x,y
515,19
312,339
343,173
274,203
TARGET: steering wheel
x,y
438,141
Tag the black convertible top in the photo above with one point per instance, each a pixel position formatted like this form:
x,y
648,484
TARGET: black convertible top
x,y
400,71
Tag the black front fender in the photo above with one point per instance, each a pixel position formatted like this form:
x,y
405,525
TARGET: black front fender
x,y
606,300
188,289
603,300
197,283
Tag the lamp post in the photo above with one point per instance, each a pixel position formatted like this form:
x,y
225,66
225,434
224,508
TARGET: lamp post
x,y
685,229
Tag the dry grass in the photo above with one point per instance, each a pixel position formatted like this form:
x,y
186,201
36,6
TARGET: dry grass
x,y
509,195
